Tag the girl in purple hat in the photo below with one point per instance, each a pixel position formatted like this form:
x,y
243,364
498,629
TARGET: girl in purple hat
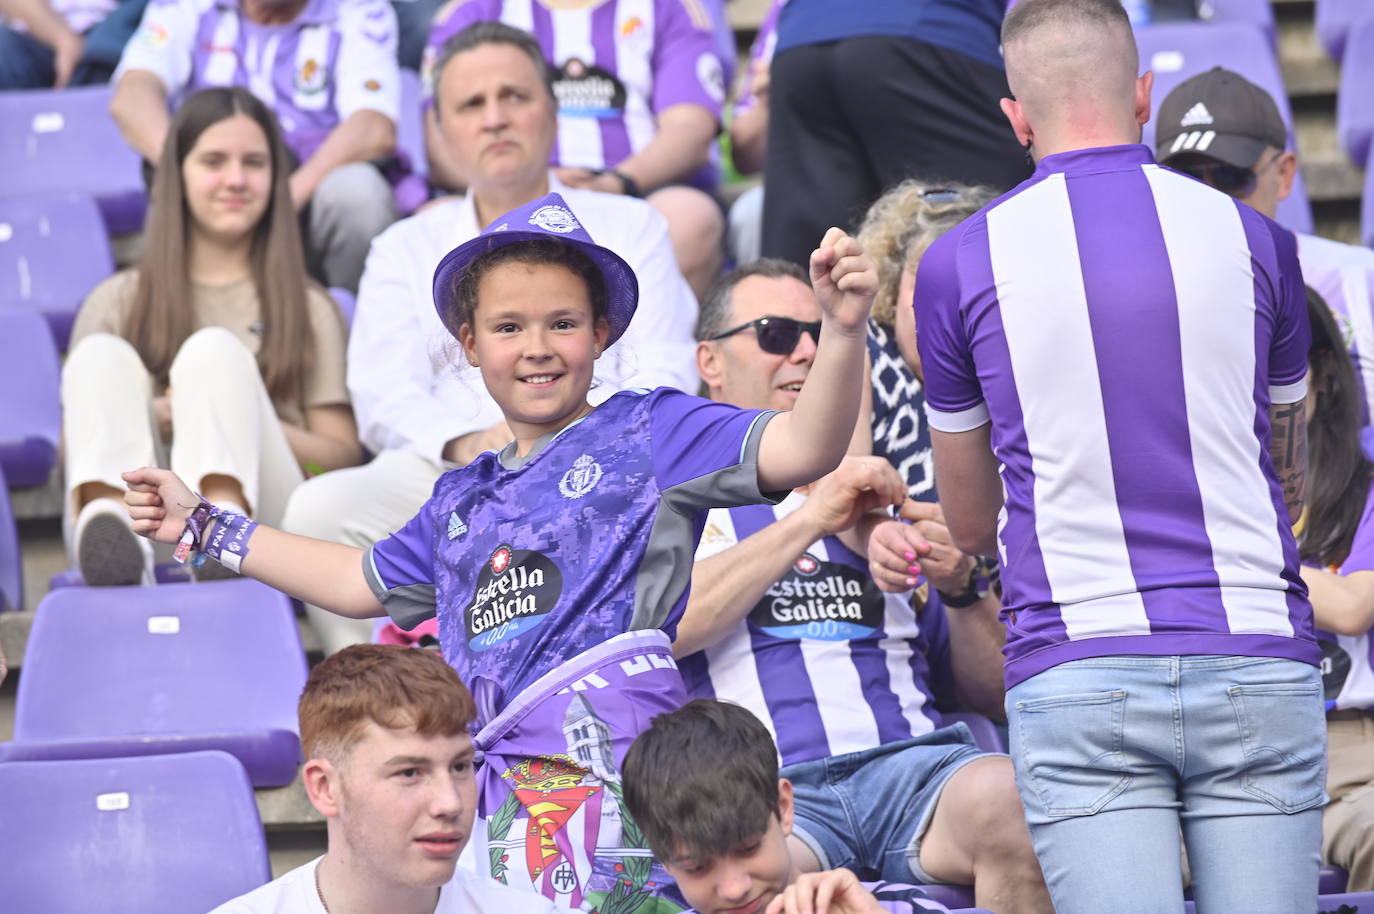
x,y
558,567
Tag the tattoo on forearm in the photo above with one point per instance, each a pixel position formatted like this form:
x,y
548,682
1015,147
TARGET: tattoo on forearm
x,y
1288,450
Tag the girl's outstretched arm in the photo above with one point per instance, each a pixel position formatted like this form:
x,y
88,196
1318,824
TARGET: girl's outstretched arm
x,y
802,445
326,574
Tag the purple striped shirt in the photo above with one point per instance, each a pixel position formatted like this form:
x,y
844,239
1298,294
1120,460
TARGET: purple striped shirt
x,y
1125,329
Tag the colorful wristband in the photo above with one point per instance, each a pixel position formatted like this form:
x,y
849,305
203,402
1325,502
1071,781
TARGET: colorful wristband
x,y
228,542
189,546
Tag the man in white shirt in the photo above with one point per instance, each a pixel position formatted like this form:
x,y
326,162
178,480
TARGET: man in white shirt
x,y
421,408
390,767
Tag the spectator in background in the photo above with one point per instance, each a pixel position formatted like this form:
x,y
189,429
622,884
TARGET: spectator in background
x,y
44,44
217,344
749,140
1115,359
389,765
888,90
419,411
1336,540
898,229
639,87
784,618
1227,132
326,68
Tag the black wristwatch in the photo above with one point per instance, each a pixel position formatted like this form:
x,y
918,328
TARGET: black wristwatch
x,y
627,182
982,580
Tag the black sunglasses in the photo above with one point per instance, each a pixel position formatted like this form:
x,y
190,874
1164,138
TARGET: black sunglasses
x,y
1231,180
777,335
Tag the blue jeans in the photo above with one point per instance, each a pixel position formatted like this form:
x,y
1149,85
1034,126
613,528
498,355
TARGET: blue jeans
x,y
867,811
1114,754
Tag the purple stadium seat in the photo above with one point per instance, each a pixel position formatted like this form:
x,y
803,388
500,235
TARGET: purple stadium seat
x,y
1178,51
413,190
1252,12
1334,20
53,251
31,407
173,833
346,301
1332,880
67,142
1355,100
11,565
985,732
115,671
163,573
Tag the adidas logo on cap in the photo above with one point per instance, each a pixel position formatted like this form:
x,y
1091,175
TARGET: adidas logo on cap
x,y
1198,114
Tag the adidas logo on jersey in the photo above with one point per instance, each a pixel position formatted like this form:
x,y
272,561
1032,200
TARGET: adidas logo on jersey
x,y
1198,114
456,527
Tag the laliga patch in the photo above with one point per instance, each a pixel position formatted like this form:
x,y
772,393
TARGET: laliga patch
x,y
516,589
1336,666
586,90
820,601
554,218
711,76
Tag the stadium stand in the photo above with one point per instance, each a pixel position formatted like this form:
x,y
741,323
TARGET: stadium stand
x,y
129,835
53,251
66,142
1253,12
1354,103
412,190
1334,20
11,564
1179,50
31,424
174,668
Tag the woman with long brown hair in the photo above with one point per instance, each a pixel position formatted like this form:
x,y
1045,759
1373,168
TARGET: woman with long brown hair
x,y
216,356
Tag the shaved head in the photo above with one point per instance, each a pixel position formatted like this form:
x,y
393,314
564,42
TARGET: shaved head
x,y
1072,66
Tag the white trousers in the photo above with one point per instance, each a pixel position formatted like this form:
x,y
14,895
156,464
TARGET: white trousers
x,y
359,506
223,422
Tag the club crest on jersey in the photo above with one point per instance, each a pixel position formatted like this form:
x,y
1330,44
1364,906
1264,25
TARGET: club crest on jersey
x,y
581,479
310,78
554,218
516,589
456,527
821,601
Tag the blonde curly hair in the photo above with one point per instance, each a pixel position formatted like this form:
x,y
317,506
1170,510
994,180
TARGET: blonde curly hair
x,y
904,222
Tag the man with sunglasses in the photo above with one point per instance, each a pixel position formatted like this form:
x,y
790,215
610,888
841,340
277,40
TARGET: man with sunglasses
x,y
785,619
1227,132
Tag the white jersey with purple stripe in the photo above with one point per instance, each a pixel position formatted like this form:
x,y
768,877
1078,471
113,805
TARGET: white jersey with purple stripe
x,y
617,65
819,640
336,57
1343,275
1348,660
531,561
1125,329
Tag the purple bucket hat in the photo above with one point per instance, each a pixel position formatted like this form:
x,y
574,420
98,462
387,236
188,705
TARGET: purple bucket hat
x,y
545,219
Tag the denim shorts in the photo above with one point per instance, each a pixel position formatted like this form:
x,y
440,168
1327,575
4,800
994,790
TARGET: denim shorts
x,y
867,811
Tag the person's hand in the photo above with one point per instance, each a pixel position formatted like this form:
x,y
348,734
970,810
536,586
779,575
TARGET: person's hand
x,y
66,53
858,485
894,553
159,502
162,414
945,567
581,178
829,892
464,449
759,75
844,279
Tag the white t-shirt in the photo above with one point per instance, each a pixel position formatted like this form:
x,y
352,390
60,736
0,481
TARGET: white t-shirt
x,y
467,893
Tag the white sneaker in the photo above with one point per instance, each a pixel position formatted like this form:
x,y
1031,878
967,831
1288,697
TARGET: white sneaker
x,y
108,551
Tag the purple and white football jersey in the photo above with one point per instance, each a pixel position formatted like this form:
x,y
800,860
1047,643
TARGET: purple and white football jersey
x,y
616,66
1126,328
336,57
1343,275
1348,660
819,639
531,561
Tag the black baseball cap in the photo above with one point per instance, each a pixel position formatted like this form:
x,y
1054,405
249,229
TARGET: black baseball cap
x,y
1219,114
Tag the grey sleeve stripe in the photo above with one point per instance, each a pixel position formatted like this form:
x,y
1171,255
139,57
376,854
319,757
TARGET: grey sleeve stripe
x,y
407,606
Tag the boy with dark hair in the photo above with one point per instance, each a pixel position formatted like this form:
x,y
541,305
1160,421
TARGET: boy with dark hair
x,y
702,783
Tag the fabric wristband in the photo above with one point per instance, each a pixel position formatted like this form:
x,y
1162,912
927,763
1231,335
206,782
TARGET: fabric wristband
x,y
228,542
